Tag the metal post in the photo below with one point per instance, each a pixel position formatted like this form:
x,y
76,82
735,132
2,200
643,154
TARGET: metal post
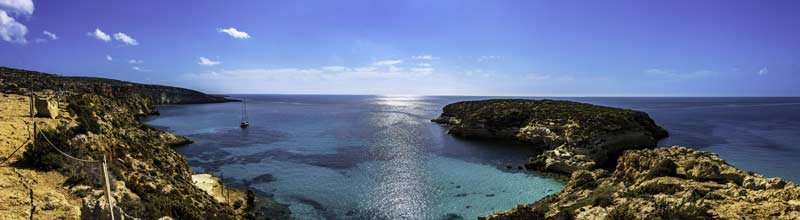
x,y
108,188
222,184
33,119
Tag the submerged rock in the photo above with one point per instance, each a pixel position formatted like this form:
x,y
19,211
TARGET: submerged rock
x,y
574,136
692,185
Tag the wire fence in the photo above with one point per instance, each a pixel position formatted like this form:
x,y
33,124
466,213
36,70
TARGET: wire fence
x,y
8,158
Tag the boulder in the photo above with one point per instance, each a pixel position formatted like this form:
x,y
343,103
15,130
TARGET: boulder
x,y
46,107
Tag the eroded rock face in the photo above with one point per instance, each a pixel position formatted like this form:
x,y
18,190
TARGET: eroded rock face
x,y
574,136
666,183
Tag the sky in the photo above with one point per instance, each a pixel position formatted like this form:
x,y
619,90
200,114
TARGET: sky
x,y
516,47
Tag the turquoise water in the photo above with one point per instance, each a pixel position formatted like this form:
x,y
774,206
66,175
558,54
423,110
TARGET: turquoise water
x,y
355,157
374,157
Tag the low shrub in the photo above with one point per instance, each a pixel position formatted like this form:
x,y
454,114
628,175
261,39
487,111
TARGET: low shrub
x,y
622,212
664,211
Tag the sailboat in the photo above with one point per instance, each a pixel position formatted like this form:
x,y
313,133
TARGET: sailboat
x,y
245,123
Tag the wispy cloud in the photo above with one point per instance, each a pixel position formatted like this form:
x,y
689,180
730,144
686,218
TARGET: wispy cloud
x,y
109,58
135,61
208,62
11,30
671,74
424,57
763,71
125,39
482,59
233,32
387,62
139,69
334,68
51,35
100,35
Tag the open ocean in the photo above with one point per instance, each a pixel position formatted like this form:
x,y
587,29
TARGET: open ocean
x,y
380,157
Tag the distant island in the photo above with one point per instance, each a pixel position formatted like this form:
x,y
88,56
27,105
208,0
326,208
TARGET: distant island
x,y
580,139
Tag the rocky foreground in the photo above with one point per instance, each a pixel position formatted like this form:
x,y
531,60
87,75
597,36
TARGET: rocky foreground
x,y
92,118
573,136
577,139
666,183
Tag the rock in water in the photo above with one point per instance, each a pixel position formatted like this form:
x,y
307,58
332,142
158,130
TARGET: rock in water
x,y
46,107
573,135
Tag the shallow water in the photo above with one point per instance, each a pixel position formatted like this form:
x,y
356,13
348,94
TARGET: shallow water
x,y
355,157
375,157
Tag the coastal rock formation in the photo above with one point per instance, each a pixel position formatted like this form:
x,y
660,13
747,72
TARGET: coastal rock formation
x,y
100,119
666,183
573,136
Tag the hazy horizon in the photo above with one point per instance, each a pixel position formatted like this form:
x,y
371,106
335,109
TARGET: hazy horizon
x,y
459,48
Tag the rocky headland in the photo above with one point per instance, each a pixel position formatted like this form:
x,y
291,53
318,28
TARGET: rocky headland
x,y
665,183
571,136
92,119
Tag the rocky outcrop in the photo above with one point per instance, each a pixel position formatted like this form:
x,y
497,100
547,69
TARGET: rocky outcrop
x,y
573,136
101,119
666,183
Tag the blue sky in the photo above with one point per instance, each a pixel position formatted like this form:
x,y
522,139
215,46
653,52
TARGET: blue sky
x,y
544,48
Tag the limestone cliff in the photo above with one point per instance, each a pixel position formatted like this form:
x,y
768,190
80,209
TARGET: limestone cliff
x,y
666,183
573,136
101,118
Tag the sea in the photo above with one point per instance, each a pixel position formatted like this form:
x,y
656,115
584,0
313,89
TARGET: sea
x,y
380,157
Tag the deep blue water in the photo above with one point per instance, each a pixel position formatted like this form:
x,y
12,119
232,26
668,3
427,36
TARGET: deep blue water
x,y
379,157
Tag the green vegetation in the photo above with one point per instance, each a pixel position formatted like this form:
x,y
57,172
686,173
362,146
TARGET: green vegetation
x,y
622,212
81,108
665,211
665,167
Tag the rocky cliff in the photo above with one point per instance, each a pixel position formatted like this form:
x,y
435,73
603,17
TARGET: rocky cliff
x,y
666,183
573,136
13,79
99,119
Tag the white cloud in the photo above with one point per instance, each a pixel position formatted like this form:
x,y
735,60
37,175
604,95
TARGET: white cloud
x,y
17,6
125,39
51,35
424,57
109,58
100,35
334,68
234,33
425,65
207,62
763,71
387,62
135,61
139,69
11,30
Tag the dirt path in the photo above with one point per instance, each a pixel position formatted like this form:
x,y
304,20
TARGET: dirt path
x,y
25,193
